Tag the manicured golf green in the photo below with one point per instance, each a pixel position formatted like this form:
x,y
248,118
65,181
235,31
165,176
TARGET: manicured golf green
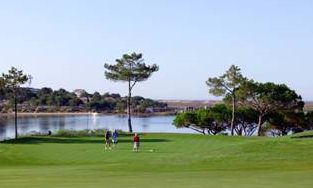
x,y
165,160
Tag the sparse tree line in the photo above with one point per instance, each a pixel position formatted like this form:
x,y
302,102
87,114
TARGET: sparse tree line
x,y
248,108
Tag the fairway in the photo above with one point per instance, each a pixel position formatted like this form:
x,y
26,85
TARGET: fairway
x,y
165,160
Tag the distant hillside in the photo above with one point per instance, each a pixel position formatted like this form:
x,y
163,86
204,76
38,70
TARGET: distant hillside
x,y
181,104
308,106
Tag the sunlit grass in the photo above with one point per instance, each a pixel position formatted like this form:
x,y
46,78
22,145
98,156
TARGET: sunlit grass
x,y
165,160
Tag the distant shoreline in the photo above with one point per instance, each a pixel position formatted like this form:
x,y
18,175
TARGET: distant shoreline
x,y
45,113
25,114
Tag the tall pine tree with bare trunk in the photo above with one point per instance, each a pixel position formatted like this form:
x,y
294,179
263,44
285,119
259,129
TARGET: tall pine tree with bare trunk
x,y
227,85
131,68
12,81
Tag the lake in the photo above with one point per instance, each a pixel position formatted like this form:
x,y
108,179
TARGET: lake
x,y
45,123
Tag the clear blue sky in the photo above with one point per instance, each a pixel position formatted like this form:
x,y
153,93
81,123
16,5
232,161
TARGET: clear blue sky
x,y
64,43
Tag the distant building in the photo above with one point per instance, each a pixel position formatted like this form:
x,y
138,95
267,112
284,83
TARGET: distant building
x,y
80,93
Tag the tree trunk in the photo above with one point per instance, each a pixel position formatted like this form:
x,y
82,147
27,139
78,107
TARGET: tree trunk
x,y
129,108
195,129
243,132
259,125
284,132
15,115
233,115
240,131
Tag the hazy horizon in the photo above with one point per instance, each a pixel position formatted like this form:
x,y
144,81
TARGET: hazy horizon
x,y
64,44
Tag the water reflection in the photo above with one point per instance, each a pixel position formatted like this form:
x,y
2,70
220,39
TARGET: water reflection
x,y
61,124
43,124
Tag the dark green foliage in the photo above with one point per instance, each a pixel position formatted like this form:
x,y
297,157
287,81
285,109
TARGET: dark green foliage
x,y
121,105
141,104
84,133
211,121
2,82
227,83
246,121
61,97
14,78
48,100
184,119
101,104
309,120
266,98
285,121
2,88
130,68
75,133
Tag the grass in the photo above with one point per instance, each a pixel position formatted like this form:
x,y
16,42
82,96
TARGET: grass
x,y
165,160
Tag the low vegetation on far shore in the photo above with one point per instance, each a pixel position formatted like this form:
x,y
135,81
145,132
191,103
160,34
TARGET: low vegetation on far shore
x,y
46,100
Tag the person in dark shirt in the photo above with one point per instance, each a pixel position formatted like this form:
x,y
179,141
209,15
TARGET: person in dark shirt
x,y
107,139
136,141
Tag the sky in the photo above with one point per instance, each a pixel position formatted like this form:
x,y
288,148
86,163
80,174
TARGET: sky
x,y
65,43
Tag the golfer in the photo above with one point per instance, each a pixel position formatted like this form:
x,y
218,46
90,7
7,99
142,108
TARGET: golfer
x,y
136,141
114,138
107,139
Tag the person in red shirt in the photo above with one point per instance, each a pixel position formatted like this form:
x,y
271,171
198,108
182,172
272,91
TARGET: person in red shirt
x,y
136,141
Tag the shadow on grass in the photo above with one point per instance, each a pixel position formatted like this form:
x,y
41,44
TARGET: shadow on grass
x,y
73,140
302,136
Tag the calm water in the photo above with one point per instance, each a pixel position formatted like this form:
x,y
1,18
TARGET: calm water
x,y
43,124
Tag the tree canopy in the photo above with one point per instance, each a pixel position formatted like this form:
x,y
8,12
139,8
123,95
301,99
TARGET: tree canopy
x,y
268,97
206,121
131,67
